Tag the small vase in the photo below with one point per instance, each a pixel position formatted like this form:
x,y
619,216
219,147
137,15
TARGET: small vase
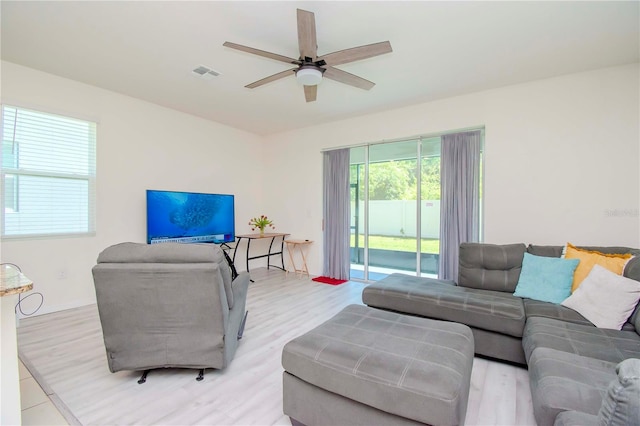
x,y
262,232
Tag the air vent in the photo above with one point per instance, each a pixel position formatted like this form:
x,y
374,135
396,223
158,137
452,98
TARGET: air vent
x,y
205,72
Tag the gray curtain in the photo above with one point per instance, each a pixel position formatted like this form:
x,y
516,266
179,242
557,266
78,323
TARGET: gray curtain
x,y
336,214
459,199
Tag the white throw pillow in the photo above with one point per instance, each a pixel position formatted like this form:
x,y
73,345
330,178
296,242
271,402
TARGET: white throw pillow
x,y
605,298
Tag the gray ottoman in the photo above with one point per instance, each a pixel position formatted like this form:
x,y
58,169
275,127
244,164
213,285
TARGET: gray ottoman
x,y
371,367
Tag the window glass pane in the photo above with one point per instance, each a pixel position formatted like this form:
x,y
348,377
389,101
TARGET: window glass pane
x,y
11,193
49,204
48,173
393,193
430,208
66,141
9,155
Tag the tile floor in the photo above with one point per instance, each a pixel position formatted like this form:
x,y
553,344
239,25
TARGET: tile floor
x,y
37,408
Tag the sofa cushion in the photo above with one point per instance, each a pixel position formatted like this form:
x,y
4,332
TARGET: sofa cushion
x,y
536,308
562,381
546,279
547,251
489,310
490,266
605,298
585,340
589,258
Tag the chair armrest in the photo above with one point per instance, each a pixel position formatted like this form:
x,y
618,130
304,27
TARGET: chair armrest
x,y
240,287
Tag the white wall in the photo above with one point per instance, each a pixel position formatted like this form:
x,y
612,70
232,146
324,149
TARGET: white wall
x,y
140,146
561,159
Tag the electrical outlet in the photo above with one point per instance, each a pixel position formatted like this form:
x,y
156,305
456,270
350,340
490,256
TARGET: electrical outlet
x,y
62,274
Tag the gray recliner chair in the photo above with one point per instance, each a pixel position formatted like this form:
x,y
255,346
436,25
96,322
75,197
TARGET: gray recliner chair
x,y
169,305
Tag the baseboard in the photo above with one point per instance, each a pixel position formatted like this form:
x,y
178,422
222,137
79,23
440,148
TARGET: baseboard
x,y
56,308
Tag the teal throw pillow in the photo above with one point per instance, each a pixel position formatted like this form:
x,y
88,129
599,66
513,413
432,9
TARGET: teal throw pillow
x,y
547,279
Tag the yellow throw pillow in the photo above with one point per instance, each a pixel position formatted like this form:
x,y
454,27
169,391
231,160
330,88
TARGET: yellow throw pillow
x,y
613,262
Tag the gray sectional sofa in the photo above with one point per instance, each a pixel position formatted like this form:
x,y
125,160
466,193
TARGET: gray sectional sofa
x,y
570,361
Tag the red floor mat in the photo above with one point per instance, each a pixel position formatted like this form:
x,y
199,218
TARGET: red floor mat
x,y
327,280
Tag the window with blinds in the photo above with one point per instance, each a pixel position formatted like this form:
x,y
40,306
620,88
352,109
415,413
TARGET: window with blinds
x,y
48,174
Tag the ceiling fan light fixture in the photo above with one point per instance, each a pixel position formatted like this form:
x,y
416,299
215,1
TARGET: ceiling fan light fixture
x,y
309,76
310,67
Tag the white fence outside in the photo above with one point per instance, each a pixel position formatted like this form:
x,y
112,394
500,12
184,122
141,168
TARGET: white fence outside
x,y
397,218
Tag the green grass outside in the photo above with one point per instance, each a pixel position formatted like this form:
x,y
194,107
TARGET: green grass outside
x,y
429,245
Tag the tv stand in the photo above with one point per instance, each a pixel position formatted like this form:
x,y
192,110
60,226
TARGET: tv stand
x,y
267,235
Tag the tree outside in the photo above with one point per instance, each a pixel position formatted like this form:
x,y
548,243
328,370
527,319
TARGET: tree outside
x,y
396,180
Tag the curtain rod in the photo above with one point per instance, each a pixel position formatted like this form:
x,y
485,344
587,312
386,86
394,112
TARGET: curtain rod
x,y
423,136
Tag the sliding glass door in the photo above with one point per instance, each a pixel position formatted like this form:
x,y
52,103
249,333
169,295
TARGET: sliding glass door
x,y
395,208
392,237
385,207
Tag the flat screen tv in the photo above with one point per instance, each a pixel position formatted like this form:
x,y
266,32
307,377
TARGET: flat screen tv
x,y
189,217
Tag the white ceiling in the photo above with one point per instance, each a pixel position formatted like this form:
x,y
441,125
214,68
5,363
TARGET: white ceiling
x,y
147,49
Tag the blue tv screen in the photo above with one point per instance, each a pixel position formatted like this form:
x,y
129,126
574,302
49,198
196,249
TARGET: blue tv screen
x,y
189,217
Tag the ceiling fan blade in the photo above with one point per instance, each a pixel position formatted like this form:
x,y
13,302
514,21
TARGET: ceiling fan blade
x,y
310,93
261,53
347,78
307,41
357,53
271,78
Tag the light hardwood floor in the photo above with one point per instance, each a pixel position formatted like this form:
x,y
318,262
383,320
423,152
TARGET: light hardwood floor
x,y
65,353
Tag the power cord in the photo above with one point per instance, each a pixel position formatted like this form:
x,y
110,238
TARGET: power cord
x,y
21,299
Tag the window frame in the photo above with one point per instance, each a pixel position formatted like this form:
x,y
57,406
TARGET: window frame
x,y
17,172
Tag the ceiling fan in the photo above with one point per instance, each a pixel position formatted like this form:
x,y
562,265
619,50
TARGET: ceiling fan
x,y
311,68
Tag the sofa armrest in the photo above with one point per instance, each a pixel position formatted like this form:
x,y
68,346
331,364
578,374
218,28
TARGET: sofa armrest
x,y
621,404
240,287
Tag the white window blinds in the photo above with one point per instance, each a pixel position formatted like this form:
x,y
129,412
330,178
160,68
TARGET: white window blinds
x,y
48,174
